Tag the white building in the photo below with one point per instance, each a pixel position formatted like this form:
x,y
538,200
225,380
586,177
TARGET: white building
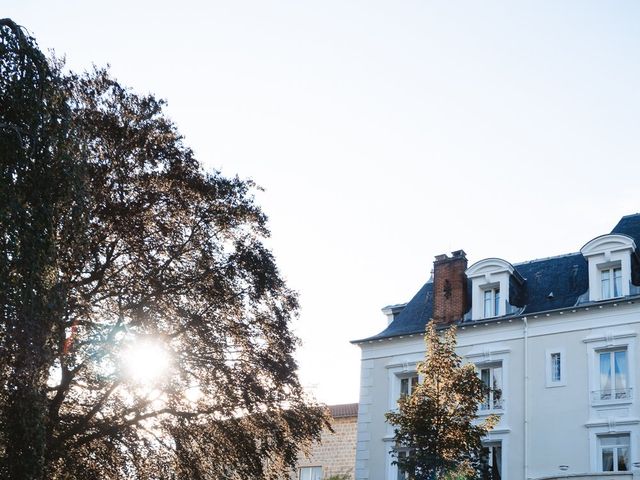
x,y
556,338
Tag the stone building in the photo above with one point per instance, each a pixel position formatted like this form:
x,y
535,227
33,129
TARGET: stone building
x,y
335,454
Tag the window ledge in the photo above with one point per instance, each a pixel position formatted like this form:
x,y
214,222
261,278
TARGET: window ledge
x,y
486,413
556,384
608,403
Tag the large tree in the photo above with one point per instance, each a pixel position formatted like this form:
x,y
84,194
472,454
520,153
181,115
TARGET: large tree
x,y
437,431
144,328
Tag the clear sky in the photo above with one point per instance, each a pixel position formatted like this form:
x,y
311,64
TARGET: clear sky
x,y
385,132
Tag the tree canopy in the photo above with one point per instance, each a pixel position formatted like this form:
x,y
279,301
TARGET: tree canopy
x,y
113,240
437,432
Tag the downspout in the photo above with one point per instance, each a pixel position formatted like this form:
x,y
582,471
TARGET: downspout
x,y
526,397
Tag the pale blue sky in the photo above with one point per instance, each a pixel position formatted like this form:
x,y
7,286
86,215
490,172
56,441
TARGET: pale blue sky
x,y
386,132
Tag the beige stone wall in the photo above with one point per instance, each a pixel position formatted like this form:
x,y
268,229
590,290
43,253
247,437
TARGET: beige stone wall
x,y
336,452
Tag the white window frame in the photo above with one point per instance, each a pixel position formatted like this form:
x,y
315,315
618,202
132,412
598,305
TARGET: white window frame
x,y
595,432
615,457
549,367
395,373
610,341
488,354
490,444
310,470
412,380
613,393
501,437
494,303
610,270
396,474
491,366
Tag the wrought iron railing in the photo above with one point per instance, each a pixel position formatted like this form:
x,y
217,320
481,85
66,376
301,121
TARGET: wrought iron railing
x,y
611,395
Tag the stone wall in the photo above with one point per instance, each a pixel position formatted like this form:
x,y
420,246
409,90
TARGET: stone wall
x,y
336,452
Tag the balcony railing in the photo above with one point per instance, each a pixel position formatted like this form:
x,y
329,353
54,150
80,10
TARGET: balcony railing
x,y
611,395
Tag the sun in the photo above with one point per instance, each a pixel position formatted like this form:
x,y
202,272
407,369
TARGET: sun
x,y
146,361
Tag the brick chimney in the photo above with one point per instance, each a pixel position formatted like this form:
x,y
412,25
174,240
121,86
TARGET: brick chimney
x,y
449,287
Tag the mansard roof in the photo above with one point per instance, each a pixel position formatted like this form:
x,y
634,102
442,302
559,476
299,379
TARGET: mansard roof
x,y
549,284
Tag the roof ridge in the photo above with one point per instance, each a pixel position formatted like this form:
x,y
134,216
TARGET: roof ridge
x,y
630,215
553,257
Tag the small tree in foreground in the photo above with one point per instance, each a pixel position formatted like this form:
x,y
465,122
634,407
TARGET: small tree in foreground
x,y
438,421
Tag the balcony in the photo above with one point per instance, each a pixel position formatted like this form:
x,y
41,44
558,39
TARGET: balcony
x,y
620,395
592,476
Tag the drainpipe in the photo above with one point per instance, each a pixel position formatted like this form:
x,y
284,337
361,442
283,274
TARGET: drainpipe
x,y
526,397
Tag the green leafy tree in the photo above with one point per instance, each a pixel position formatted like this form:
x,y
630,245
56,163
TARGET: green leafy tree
x,y
438,422
113,241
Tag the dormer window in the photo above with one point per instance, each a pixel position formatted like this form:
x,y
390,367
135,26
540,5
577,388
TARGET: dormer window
x,y
609,258
490,279
491,302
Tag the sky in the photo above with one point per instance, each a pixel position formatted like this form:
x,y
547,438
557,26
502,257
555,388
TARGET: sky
x,y
385,132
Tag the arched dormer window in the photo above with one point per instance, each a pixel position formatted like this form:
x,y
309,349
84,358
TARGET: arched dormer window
x,y
490,287
609,258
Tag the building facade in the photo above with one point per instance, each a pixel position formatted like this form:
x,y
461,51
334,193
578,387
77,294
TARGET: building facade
x,y
335,454
555,339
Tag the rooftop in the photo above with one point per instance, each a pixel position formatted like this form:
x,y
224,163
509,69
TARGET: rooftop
x,y
549,284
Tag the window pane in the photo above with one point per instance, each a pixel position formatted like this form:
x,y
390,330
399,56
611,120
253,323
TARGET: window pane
x,y
487,304
621,373
485,376
605,375
496,306
491,462
401,475
497,462
623,459
617,282
414,383
607,460
497,387
606,290
404,387
555,367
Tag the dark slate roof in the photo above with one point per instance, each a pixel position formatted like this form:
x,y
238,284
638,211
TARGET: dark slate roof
x,y
550,284
344,410
413,317
629,225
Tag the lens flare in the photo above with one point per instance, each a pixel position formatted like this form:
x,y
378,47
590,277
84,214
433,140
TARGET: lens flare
x,y
145,361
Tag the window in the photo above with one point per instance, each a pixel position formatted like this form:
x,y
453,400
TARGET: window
x,y
611,283
491,461
491,376
555,368
613,375
556,371
403,475
310,473
609,258
491,283
614,452
491,302
408,385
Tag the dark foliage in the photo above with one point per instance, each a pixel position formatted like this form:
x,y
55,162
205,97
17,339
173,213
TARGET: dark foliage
x,y
112,236
437,424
